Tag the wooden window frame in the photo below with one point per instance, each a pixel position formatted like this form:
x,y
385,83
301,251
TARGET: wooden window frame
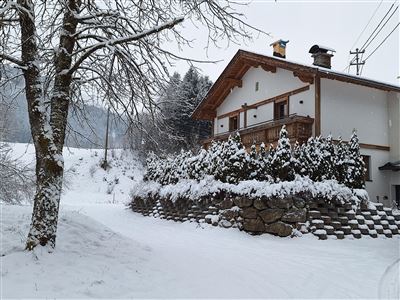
x,y
237,122
367,162
279,101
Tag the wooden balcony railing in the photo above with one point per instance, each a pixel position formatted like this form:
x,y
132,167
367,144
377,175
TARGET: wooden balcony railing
x,y
299,129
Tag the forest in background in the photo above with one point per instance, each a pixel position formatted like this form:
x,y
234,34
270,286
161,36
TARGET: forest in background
x,y
167,130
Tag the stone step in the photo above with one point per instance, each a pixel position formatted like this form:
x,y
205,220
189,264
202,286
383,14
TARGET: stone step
x,y
371,226
336,224
382,214
343,220
360,219
379,206
387,233
373,234
339,235
367,215
346,229
388,211
353,224
379,229
373,212
350,214
385,224
327,219
391,220
376,220
394,229
321,234
329,229
317,223
356,234
364,229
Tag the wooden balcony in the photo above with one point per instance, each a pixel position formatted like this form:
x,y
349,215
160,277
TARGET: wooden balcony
x,y
299,129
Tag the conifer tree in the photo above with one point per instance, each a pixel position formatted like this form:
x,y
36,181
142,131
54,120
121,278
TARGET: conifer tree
x,y
296,159
341,161
355,175
281,166
253,165
327,167
233,160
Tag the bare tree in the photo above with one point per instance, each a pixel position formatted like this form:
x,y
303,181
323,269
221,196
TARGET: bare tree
x,y
71,49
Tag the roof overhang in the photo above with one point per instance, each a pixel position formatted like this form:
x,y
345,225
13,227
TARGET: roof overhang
x,y
243,60
391,166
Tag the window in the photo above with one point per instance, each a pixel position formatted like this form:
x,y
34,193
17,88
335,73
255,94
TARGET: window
x,y
257,86
281,109
233,123
367,163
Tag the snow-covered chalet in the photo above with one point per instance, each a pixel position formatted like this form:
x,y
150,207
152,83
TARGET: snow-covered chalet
x,y
256,94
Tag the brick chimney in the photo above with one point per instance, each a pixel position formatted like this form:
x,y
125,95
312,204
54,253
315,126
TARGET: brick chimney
x,y
279,47
322,56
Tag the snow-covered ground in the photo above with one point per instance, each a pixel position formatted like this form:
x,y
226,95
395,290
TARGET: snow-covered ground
x,y
106,251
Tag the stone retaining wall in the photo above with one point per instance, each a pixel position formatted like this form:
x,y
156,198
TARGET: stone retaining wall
x,y
278,216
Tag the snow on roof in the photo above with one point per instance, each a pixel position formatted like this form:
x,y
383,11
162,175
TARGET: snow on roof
x,y
329,71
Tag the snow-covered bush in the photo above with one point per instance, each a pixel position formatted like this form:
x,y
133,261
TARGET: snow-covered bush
x,y
319,159
16,179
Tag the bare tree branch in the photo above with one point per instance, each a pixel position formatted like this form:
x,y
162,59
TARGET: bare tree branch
x,y
124,40
12,59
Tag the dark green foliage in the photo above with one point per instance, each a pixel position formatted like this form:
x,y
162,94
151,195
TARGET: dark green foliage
x,y
179,101
355,165
319,159
281,164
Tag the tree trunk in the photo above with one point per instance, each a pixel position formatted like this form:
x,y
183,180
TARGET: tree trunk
x,y
48,135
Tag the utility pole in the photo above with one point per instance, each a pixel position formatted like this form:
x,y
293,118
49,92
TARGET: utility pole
x,y
104,165
358,62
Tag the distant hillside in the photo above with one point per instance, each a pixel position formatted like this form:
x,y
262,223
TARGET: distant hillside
x,y
85,129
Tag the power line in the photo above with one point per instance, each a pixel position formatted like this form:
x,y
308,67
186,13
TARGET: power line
x,y
369,21
373,35
381,28
383,41
358,38
376,28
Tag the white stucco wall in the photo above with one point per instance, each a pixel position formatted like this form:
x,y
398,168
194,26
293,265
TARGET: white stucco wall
x,y
378,188
307,108
345,107
375,114
221,125
270,85
394,125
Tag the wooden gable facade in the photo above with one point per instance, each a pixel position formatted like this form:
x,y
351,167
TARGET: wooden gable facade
x,y
300,127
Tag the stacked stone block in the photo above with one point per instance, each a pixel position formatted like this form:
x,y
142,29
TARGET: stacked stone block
x,y
369,219
279,216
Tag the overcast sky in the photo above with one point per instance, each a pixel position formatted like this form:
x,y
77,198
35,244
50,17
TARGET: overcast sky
x,y
336,24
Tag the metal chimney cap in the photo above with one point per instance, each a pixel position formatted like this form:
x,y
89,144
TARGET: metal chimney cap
x,y
320,49
280,42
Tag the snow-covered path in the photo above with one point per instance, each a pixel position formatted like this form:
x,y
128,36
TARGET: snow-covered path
x,y
107,251
215,262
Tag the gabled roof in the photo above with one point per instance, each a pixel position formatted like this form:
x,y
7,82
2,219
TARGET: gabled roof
x,y
243,60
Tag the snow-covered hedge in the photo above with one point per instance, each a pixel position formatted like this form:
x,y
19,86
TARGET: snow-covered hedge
x,y
329,190
318,160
